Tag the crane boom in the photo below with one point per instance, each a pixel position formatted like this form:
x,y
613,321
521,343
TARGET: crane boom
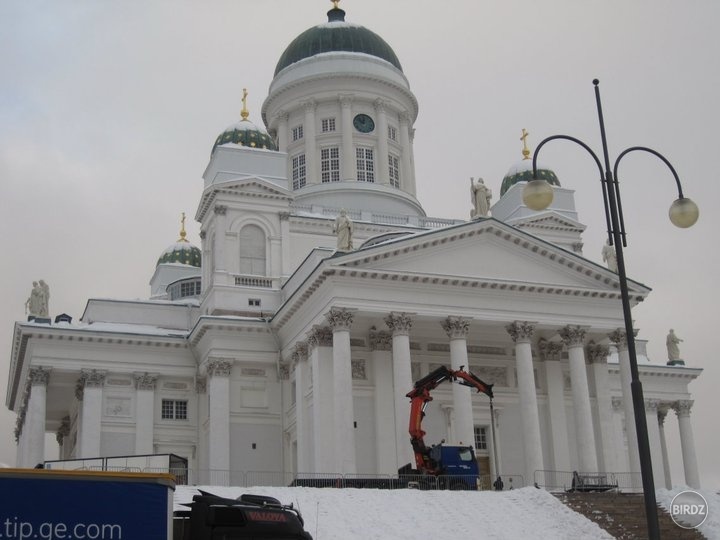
x,y
420,397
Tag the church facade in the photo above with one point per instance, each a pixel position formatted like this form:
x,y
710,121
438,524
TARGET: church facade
x,y
286,343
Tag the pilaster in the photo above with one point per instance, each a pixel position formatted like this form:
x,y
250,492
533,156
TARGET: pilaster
x,y
300,360
218,370
381,357
347,160
320,340
605,441
619,338
550,352
309,135
144,412
91,383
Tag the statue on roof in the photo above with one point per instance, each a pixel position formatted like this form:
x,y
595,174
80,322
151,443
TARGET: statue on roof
x,y
673,349
343,228
609,257
37,304
481,196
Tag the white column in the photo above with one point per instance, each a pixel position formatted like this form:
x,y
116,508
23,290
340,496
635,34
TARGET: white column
x,y
302,433
347,161
218,370
521,333
621,453
400,324
144,413
36,413
220,230
604,443
340,321
203,457
573,337
311,164
92,382
457,329
319,348
550,352
282,130
653,427
381,358
21,438
662,414
619,338
407,175
496,462
687,442
382,141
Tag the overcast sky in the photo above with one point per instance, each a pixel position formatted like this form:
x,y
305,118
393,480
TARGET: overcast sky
x,y
108,112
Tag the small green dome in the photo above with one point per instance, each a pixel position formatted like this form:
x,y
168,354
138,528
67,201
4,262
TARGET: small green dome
x,y
522,172
181,252
245,133
336,36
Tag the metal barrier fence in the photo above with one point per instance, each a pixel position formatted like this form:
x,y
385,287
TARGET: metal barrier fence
x,y
334,480
578,481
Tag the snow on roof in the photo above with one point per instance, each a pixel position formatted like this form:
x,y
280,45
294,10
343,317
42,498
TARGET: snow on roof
x,y
524,165
337,24
118,328
373,514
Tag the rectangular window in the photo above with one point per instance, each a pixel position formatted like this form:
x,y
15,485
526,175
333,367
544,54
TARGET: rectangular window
x,y
174,409
330,164
327,125
392,133
394,166
297,132
480,438
365,164
298,171
254,302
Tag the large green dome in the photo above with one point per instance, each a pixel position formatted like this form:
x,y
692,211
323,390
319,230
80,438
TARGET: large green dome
x,y
336,36
522,172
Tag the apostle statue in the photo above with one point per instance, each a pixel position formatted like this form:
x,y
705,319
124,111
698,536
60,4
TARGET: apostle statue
x,y
343,228
37,304
673,349
609,257
481,195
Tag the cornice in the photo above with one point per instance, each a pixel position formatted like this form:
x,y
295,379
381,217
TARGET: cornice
x,y
662,371
208,323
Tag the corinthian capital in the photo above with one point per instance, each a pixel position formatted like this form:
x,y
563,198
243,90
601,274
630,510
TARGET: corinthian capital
x,y
619,338
682,407
219,367
145,381
549,350
596,353
380,340
456,327
520,331
572,336
310,105
220,210
92,378
339,319
399,323
39,376
319,336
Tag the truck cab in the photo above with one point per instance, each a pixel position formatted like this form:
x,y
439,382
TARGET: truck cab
x,y
457,464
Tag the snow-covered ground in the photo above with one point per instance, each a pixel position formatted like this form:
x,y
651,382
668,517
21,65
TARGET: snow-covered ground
x,y
367,514
711,528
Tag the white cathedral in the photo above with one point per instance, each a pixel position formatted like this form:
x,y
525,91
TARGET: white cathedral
x,y
283,346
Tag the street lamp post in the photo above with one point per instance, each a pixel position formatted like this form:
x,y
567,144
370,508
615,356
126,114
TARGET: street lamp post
x,y
538,195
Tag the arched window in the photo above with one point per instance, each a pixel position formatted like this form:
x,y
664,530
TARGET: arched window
x,y
252,250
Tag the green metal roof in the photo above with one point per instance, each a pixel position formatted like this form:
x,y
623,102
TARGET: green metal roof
x,y
521,173
182,252
245,133
336,35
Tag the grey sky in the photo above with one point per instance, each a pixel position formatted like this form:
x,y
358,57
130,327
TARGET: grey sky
x,y
108,112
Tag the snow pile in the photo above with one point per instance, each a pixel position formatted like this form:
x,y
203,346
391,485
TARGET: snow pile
x,y
711,527
367,514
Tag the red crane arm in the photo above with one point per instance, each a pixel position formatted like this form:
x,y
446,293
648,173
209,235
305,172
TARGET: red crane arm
x,y
420,397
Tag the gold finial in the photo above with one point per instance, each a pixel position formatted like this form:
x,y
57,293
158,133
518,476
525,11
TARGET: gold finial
x,y
335,3
183,234
526,150
244,113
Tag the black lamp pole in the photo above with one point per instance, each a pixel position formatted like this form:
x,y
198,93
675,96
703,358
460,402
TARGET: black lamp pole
x,y
616,237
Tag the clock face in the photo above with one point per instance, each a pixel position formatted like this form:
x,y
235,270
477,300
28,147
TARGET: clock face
x,y
363,123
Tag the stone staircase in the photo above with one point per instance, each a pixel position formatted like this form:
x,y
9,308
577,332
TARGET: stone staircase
x,y
623,515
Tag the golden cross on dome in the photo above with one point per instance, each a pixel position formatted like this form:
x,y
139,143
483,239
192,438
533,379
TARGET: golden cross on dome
x,y
183,234
244,113
526,150
335,3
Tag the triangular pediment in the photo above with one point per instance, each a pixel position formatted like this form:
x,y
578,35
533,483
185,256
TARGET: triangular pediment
x,y
243,186
548,221
487,251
